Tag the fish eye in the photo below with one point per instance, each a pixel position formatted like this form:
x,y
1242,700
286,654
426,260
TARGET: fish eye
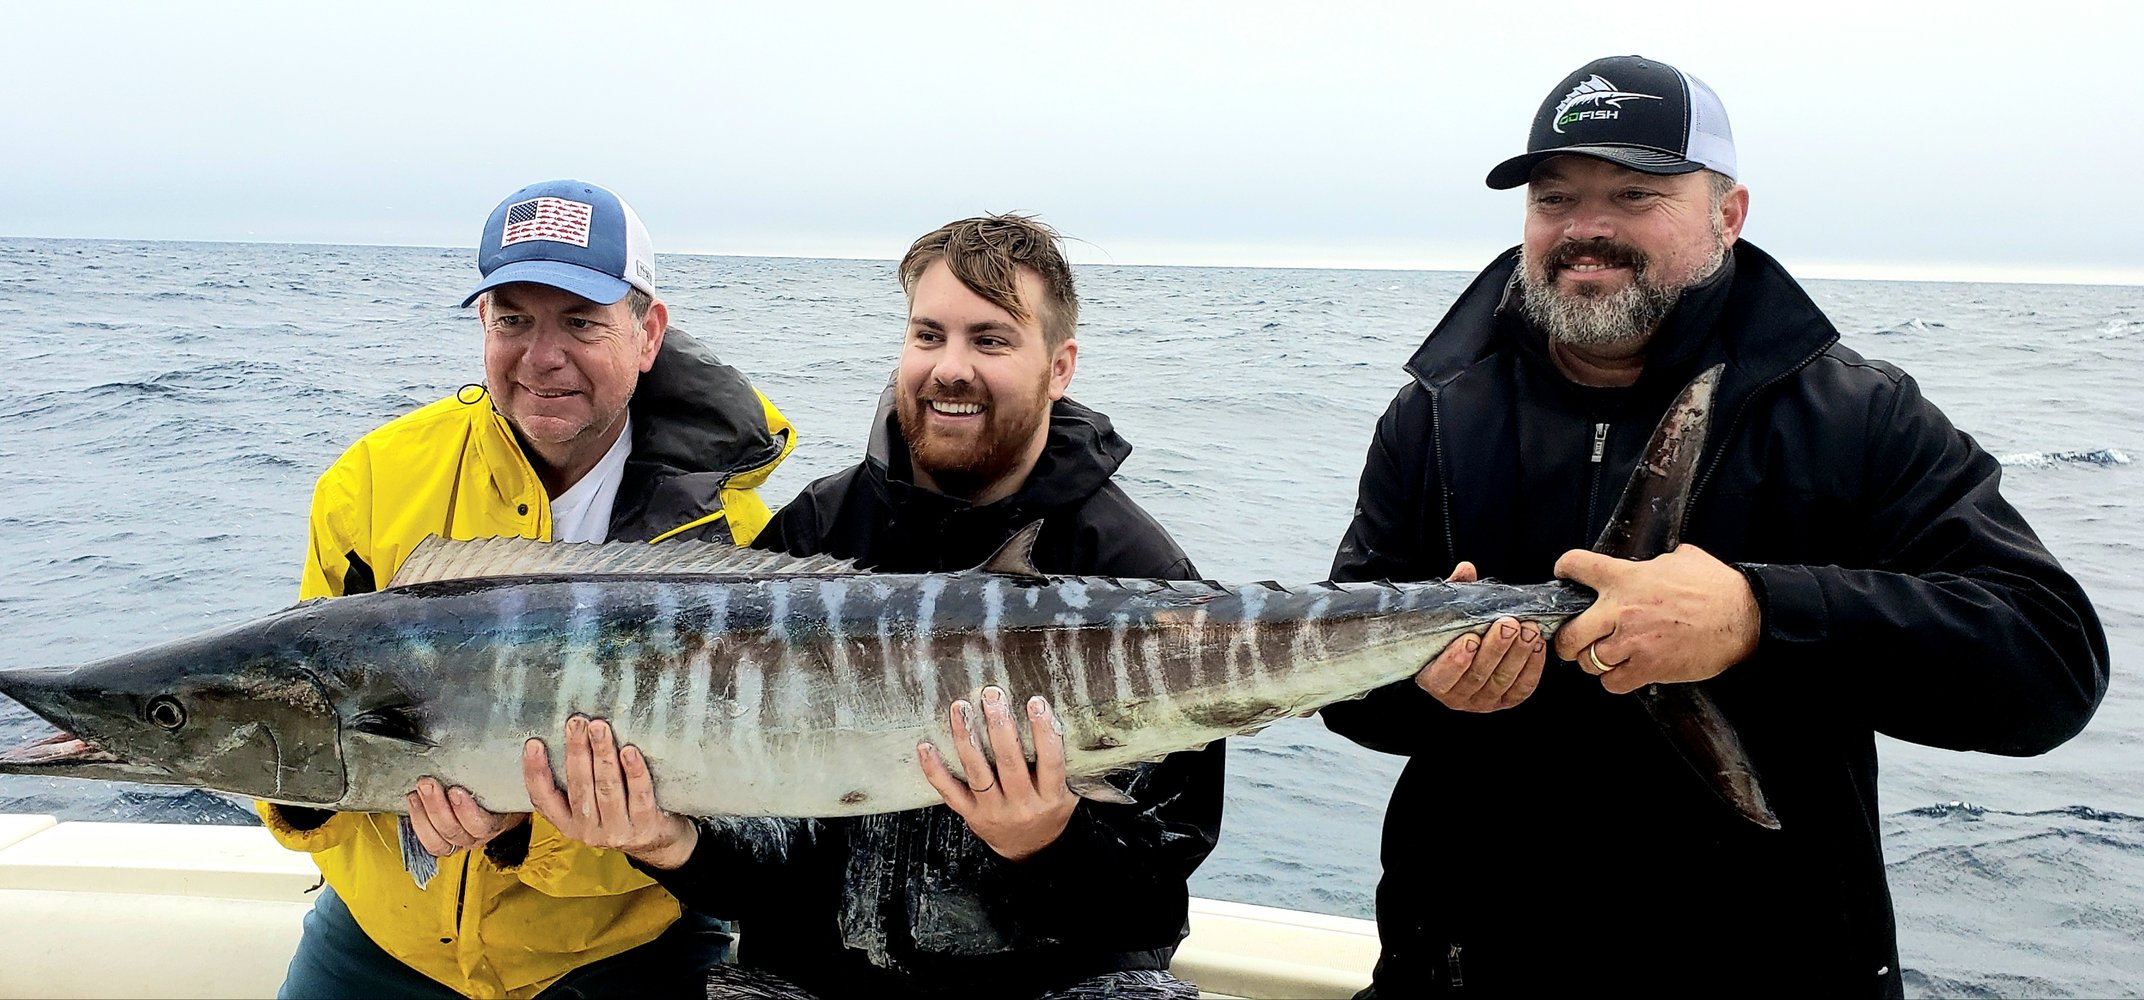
x,y
167,713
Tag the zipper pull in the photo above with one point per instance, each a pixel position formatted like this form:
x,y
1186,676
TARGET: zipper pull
x,y
1600,442
1457,976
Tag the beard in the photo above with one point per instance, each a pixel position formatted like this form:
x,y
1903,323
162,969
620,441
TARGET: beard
x,y
1591,318
964,466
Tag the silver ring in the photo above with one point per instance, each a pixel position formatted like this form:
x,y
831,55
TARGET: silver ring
x,y
983,789
1595,656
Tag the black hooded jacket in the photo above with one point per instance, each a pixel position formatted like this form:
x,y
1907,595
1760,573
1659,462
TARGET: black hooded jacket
x,y
912,903
1562,844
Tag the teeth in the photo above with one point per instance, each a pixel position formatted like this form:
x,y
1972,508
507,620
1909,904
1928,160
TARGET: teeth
x,y
956,408
1589,267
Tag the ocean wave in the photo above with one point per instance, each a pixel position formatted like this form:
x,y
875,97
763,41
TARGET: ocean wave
x,y
1910,326
2102,457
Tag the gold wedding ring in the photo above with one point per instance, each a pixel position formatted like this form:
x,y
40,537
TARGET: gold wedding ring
x,y
1594,654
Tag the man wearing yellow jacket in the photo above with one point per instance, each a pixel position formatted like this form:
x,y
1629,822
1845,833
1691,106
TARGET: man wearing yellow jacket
x,y
596,422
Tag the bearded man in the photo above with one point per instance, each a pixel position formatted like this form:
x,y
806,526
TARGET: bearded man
x,y
1015,887
1852,569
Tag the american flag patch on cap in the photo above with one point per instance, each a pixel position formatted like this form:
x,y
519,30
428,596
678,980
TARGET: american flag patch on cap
x,y
554,219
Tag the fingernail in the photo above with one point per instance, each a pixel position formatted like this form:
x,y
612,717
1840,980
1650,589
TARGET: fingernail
x,y
599,728
926,751
993,696
1039,707
1506,629
574,723
1473,643
1533,632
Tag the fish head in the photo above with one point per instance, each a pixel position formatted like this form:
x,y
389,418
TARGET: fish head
x,y
208,712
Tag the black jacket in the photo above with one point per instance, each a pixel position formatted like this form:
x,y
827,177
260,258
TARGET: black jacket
x,y
1562,843
912,903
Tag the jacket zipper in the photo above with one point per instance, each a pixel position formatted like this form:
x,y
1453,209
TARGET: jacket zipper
x,y
461,895
1436,454
1456,974
1593,495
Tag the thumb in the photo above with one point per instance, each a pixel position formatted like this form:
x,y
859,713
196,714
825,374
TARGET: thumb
x,y
1463,573
1590,568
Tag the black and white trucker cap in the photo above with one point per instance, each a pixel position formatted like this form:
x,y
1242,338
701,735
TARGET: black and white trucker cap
x,y
1632,111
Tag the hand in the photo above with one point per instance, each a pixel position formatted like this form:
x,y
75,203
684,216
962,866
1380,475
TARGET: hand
x,y
1679,618
609,798
447,820
1486,673
1014,811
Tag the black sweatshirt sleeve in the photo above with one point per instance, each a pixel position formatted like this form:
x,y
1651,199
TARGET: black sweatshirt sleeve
x,y
1964,633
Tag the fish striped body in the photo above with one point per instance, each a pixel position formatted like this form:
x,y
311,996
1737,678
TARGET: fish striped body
x,y
806,695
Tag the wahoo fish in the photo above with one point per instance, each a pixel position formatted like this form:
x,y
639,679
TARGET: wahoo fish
x,y
759,684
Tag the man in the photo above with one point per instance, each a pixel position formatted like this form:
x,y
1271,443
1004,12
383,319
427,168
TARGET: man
x,y
595,422
1850,568
1015,888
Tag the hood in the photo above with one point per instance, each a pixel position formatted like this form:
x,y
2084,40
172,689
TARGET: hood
x,y
694,414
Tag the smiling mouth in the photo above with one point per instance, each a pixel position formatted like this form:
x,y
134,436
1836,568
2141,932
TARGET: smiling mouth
x,y
552,393
952,409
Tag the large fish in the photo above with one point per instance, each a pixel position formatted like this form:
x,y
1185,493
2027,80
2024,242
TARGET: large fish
x,y
762,684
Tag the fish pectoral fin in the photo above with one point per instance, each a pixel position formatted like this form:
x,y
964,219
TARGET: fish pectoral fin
x,y
1097,790
418,862
394,722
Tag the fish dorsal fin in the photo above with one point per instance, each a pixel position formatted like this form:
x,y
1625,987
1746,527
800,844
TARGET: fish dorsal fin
x,y
1017,556
1648,519
437,558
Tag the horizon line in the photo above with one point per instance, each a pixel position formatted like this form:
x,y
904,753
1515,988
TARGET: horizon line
x,y
1820,270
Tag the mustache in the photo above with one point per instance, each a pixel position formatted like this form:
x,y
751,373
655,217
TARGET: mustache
x,y
1603,251
955,392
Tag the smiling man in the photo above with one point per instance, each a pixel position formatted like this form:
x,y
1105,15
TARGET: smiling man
x,y
1852,568
1016,887
596,422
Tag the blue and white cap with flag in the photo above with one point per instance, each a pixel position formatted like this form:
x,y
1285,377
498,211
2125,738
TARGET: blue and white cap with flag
x,y
570,235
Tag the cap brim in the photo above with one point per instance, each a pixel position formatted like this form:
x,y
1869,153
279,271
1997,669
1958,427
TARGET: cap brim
x,y
1516,171
595,286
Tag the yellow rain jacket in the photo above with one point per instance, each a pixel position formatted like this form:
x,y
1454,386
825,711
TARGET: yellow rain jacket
x,y
501,922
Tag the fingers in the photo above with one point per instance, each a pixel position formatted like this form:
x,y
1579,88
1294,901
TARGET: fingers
x,y
639,786
1496,645
968,743
1529,677
609,781
1049,744
1463,573
1445,671
542,785
580,783
954,791
476,821
1525,641
1005,746
433,820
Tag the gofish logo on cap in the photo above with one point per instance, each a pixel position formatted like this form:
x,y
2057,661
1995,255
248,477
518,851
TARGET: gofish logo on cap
x,y
1594,90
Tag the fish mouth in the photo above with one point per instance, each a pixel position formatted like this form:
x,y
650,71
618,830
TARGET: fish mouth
x,y
64,753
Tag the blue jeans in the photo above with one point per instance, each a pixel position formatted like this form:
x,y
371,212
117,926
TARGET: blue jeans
x,y
335,958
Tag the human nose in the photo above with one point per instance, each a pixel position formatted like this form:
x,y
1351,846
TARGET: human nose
x,y
1587,222
546,350
955,363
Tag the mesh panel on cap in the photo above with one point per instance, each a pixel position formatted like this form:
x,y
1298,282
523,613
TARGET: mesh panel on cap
x,y
1712,140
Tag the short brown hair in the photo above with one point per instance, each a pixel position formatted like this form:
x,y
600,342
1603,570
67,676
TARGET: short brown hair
x,y
986,254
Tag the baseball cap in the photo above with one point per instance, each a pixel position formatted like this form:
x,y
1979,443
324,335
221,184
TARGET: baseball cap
x,y
570,235
1631,111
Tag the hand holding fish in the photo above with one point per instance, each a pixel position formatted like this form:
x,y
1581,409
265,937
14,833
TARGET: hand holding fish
x,y
1679,618
1015,810
609,798
447,820
1488,672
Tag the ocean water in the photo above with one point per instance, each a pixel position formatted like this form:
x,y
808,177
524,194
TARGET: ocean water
x,y
165,407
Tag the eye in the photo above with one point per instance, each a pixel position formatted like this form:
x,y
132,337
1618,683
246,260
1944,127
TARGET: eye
x,y
167,714
579,323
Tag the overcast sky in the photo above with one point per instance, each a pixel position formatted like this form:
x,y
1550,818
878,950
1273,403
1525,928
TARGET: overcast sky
x,y
1956,139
